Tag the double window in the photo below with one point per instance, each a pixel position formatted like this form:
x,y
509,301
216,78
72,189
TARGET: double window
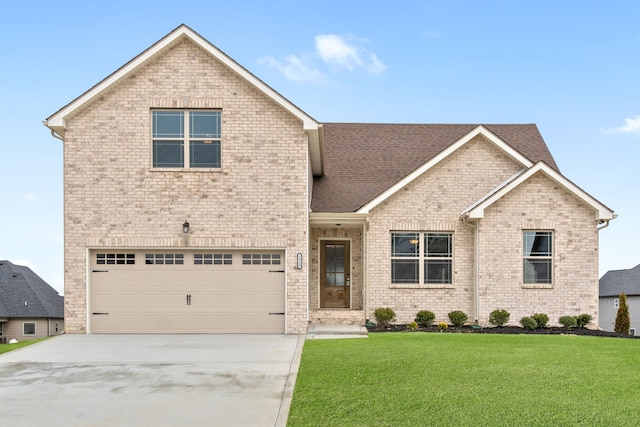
x,y
186,139
537,253
422,258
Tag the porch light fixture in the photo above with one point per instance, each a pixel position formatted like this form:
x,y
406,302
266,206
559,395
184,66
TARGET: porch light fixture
x,y
185,227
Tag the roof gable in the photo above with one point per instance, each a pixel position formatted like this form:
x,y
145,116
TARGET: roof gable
x,y
364,160
478,130
476,210
57,121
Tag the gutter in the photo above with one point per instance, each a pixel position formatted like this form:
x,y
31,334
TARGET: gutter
x,y
53,132
476,261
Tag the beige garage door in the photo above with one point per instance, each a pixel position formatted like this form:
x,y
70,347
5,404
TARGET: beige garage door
x,y
180,291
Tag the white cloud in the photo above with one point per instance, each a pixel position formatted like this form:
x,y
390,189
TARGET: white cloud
x,y
631,125
29,198
297,69
338,52
430,34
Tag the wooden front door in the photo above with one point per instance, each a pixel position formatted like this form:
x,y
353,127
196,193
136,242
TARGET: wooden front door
x,y
335,277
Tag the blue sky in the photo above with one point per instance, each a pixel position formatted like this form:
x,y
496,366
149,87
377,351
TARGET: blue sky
x,y
571,67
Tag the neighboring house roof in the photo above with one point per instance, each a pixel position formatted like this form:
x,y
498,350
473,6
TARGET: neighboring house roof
x,y
364,163
57,121
616,281
24,294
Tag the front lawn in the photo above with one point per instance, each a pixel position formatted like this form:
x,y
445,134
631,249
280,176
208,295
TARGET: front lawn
x,y
431,379
8,347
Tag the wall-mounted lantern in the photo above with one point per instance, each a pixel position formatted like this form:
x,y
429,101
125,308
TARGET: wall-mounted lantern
x,y
185,227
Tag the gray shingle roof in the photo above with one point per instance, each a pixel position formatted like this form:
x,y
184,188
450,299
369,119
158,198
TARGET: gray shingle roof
x,y
362,160
616,281
24,294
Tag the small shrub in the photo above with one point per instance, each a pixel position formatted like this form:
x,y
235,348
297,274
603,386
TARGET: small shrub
x,y
457,318
623,322
425,318
528,323
568,321
541,319
384,316
499,317
412,326
583,320
442,326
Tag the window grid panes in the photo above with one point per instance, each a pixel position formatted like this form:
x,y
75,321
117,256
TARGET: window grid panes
x,y
537,252
261,259
166,259
186,139
421,258
115,259
212,259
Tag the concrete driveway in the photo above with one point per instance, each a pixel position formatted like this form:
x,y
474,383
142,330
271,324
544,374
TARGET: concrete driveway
x,y
151,380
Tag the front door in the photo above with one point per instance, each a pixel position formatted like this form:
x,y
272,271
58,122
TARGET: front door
x,y
335,277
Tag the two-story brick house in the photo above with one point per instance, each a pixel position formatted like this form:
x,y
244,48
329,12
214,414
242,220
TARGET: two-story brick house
x,y
198,199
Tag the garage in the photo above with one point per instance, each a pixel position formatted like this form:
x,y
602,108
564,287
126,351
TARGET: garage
x,y
179,291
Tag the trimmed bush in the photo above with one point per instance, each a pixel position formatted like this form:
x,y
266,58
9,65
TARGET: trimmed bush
x,y
541,319
384,316
425,318
457,318
583,320
499,317
568,321
623,323
528,323
442,326
412,326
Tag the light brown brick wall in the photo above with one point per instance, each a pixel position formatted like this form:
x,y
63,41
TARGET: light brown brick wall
x,y
434,202
114,199
539,204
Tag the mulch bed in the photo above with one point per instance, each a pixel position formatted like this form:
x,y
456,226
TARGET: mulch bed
x,y
503,330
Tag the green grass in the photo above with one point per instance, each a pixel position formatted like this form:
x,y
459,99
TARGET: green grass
x,y
430,379
8,347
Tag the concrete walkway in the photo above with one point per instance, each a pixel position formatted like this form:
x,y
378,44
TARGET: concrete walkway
x,y
151,380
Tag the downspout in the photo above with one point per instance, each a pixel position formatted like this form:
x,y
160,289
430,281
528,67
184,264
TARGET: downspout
x,y
606,224
476,268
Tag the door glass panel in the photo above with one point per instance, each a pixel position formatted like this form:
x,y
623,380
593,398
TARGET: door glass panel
x,y
334,265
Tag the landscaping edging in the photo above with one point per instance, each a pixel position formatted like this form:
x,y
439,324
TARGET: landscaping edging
x,y
503,330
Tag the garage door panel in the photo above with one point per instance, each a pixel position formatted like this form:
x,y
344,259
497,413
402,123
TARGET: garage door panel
x,y
187,298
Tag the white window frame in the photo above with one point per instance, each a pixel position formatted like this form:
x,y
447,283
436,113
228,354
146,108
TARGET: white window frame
x,y
186,140
422,257
35,329
538,257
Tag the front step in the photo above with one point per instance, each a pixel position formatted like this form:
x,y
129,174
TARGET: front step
x,y
336,331
337,317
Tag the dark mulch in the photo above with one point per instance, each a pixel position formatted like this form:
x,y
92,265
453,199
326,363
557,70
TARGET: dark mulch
x,y
504,330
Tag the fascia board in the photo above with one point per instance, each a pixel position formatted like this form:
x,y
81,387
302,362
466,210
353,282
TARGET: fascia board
x,y
479,130
57,120
602,212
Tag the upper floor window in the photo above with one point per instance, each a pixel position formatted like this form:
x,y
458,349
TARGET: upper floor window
x,y
422,258
186,139
537,252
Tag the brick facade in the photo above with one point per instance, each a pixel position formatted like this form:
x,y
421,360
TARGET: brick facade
x,y
434,202
260,196
113,198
